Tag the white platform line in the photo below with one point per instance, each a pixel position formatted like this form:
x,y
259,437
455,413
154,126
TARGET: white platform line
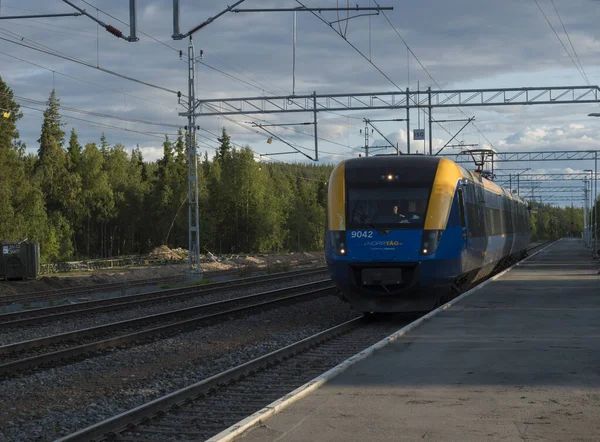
x,y
237,429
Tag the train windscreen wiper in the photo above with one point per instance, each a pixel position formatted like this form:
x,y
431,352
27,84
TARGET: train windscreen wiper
x,y
379,229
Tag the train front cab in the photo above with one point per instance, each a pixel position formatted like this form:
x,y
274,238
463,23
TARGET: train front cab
x,y
379,263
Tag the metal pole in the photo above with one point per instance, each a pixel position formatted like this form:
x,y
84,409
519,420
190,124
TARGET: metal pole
x,y
407,122
176,31
596,206
294,61
510,182
589,197
315,122
366,139
132,21
518,182
193,215
430,122
585,217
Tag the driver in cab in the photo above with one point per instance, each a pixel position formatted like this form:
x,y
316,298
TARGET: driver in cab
x,y
412,215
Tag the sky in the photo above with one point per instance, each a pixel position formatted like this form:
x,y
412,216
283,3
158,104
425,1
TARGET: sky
x,y
460,43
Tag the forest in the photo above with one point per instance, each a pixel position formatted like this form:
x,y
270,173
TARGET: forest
x,y
100,199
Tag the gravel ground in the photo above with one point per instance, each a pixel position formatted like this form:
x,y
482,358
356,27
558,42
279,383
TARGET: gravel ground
x,y
98,295
55,402
62,326
16,307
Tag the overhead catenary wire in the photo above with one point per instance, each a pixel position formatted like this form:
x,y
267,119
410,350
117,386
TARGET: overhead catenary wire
x,y
97,114
365,57
287,128
51,51
408,48
127,24
570,42
95,123
579,69
89,82
84,63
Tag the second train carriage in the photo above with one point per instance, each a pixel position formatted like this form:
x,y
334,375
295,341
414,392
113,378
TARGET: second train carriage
x,y
405,233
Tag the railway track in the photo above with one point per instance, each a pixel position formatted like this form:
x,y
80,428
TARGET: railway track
x,y
29,297
204,409
48,295
65,312
66,347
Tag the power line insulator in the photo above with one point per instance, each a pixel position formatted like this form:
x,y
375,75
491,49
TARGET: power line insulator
x,y
114,31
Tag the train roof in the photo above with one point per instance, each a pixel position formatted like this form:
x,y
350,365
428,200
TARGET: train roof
x,y
423,165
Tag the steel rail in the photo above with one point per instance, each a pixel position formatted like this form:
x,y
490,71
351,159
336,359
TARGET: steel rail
x,y
21,318
74,291
257,301
152,412
112,426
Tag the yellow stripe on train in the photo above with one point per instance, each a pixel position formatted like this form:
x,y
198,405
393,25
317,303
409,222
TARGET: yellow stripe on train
x,y
336,198
444,185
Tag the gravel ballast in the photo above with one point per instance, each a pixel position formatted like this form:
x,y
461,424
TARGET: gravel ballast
x,y
55,402
33,331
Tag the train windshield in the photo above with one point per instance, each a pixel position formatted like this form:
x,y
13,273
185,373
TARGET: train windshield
x,y
387,208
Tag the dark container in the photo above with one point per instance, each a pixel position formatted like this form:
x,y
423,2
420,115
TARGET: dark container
x,y
19,260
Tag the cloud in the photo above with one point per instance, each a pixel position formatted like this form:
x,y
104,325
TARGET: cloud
x,y
151,153
466,43
566,137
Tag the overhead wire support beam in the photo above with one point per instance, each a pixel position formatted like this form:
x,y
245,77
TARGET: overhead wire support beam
x,y
462,145
545,177
110,28
559,155
536,190
305,9
563,198
394,100
178,36
15,17
308,123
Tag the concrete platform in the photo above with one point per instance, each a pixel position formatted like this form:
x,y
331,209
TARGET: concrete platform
x,y
517,360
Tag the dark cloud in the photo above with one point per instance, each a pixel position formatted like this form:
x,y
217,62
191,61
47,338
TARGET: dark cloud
x,y
462,42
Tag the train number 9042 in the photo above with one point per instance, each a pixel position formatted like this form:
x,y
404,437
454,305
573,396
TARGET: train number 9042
x,y
362,234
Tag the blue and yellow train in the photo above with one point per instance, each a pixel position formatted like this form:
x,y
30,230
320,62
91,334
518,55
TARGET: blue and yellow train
x,y
407,233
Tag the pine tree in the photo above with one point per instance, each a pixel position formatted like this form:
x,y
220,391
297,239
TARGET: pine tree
x,y
51,166
73,152
52,126
224,150
104,146
9,115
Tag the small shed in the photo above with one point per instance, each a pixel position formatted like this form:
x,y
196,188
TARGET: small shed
x,y
19,260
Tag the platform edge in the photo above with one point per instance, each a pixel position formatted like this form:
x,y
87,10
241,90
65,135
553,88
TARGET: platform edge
x,y
242,426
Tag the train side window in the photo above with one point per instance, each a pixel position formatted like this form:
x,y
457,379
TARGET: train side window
x,y
489,221
461,208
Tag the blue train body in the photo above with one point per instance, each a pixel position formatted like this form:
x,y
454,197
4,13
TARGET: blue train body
x,y
389,262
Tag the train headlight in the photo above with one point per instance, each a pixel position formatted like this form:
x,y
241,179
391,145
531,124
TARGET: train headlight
x,y
339,242
431,240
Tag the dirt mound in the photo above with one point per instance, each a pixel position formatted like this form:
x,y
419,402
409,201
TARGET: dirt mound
x,y
164,252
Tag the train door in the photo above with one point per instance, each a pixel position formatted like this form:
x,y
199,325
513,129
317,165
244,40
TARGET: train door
x,y
463,218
